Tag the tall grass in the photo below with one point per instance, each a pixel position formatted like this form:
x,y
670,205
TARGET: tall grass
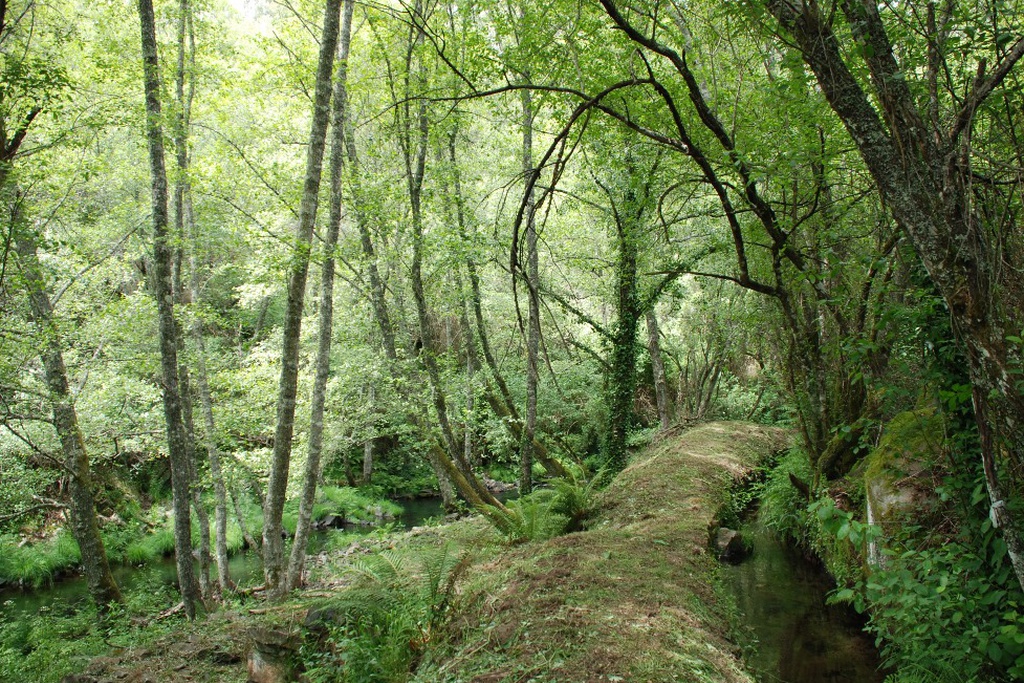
x,y
37,564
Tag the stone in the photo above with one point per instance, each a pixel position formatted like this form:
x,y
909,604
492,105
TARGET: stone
x,y
899,477
271,655
730,546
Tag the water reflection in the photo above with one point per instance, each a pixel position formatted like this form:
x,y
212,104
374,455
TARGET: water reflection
x,y
799,638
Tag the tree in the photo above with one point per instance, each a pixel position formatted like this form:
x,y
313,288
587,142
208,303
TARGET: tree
x,y
922,153
177,441
273,545
102,587
326,328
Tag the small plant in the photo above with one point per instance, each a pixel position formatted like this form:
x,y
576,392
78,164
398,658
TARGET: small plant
x,y
379,629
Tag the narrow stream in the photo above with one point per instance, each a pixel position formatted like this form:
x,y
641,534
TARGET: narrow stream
x,y
246,569
800,639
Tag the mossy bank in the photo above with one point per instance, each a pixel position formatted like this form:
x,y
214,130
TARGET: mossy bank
x,y
630,598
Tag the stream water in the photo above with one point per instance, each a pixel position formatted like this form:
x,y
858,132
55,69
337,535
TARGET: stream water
x,y
800,639
246,569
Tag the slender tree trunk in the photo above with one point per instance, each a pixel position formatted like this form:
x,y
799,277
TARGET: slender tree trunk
x,y
273,543
162,262
503,406
414,144
250,540
323,356
658,369
179,200
102,587
212,451
533,285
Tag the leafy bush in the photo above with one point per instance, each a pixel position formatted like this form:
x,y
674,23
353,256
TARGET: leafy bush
x,y
942,612
783,506
545,513
379,628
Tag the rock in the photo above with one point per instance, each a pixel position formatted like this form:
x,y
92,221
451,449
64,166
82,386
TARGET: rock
x,y
899,477
332,521
271,655
730,546
495,486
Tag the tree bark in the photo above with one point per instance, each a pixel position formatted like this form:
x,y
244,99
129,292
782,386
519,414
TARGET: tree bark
x,y
503,405
162,264
102,587
658,369
533,286
923,175
273,543
181,201
323,356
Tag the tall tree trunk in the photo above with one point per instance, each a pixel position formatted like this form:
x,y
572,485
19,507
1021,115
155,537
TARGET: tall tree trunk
x,y
658,369
273,543
162,263
102,587
323,355
533,287
923,174
179,200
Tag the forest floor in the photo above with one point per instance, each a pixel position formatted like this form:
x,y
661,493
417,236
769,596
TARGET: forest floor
x,y
632,598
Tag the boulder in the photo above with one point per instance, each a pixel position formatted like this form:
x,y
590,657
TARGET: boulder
x,y
730,546
899,476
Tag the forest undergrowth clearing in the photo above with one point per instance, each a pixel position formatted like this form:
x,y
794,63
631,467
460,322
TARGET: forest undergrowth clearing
x,y
632,598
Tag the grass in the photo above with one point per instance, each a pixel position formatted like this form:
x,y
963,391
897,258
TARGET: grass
x,y
38,564
631,598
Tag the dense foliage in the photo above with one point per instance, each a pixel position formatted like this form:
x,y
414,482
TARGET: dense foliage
x,y
559,228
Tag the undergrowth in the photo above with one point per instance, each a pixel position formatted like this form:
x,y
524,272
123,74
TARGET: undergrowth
x,y
377,630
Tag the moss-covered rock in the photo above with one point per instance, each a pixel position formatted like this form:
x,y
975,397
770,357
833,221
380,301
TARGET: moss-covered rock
x,y
899,475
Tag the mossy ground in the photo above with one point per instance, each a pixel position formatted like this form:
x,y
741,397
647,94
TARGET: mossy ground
x,y
630,599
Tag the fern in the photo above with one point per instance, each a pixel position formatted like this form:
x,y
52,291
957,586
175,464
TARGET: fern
x,y
386,619
574,501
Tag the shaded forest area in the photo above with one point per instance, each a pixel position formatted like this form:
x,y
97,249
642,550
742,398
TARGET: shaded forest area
x,y
265,261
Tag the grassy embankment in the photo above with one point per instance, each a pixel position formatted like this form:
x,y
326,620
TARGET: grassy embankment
x,y
632,598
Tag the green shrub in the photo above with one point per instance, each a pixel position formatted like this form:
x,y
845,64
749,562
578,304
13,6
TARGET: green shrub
x,y
378,629
783,506
942,612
